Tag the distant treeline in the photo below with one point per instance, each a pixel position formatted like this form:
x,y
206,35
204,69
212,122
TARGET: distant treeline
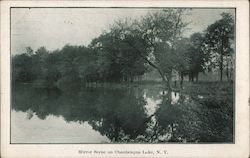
x,y
131,48
73,65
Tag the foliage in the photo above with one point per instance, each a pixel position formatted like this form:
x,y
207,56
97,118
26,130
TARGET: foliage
x,y
219,37
21,68
123,54
128,50
154,38
117,61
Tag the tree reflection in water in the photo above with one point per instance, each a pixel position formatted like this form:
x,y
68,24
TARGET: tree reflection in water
x,y
121,114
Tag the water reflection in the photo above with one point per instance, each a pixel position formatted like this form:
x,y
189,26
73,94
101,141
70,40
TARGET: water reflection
x,y
53,129
122,115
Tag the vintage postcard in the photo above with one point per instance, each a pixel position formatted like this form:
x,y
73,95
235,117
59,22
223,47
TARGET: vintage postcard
x,y
124,79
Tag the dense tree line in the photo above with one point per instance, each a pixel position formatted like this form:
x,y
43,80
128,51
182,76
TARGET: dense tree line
x,y
76,65
131,48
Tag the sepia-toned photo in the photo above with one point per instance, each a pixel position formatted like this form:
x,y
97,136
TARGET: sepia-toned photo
x,y
124,79
122,75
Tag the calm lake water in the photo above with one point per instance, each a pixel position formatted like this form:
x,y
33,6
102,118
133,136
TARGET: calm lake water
x,y
113,115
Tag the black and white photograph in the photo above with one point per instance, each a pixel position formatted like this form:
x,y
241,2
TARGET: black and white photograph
x,y
122,75
138,79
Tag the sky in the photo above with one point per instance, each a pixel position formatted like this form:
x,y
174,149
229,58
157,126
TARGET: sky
x,y
55,27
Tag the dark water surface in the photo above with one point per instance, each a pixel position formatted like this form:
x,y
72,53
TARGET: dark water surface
x,y
117,115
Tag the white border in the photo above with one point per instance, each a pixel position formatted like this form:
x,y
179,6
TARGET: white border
x,y
239,149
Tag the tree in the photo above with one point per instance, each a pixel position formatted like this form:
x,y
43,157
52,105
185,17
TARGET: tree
x,y
69,57
219,36
29,51
51,72
87,65
199,57
117,61
38,63
21,68
195,55
154,39
182,58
